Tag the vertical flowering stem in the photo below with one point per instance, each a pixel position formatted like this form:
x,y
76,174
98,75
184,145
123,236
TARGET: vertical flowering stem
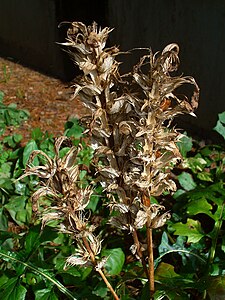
x,y
139,252
151,275
109,286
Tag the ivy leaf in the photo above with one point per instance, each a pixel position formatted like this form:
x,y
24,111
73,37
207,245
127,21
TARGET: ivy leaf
x,y
186,181
115,261
192,229
13,290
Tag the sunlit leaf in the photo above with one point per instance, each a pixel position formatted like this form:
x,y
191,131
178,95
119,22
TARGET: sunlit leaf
x,y
220,126
185,145
192,229
186,181
30,146
115,261
45,294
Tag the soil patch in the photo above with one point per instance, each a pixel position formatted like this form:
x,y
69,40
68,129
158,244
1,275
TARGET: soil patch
x,y
49,101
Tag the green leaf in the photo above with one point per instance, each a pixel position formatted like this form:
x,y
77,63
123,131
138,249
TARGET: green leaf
x,y
30,146
199,206
1,96
205,176
220,125
192,229
165,270
13,290
36,134
3,220
186,181
196,164
115,261
45,294
17,209
73,129
100,290
185,145
93,202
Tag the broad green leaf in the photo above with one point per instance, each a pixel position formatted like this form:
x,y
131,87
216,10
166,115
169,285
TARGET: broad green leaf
x,y
199,206
73,129
30,146
115,260
32,238
186,181
3,220
93,202
165,270
45,294
185,145
220,125
223,244
17,209
100,290
1,96
3,279
192,229
36,134
13,290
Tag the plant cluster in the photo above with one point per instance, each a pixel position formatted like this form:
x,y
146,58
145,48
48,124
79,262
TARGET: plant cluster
x,y
138,174
10,115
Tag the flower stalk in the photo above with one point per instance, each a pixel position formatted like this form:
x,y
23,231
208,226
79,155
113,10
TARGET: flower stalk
x,y
129,123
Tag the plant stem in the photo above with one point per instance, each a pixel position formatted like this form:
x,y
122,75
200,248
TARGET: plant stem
x,y
150,261
86,244
139,252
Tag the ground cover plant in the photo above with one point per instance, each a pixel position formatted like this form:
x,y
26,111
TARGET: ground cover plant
x,y
123,205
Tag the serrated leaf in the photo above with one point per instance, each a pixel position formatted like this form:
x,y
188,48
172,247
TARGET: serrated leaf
x,y
13,290
192,229
115,261
186,181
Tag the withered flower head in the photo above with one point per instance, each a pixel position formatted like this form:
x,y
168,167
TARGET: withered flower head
x,y
135,148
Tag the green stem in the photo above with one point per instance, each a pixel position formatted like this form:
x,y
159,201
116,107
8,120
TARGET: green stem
x,y
215,235
43,274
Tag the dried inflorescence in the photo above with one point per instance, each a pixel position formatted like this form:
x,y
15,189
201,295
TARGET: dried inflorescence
x,y
129,122
60,183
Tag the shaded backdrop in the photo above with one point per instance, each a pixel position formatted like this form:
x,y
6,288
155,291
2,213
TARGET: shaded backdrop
x,y
29,32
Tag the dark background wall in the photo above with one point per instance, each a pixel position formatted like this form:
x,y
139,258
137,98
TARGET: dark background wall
x,y
29,32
